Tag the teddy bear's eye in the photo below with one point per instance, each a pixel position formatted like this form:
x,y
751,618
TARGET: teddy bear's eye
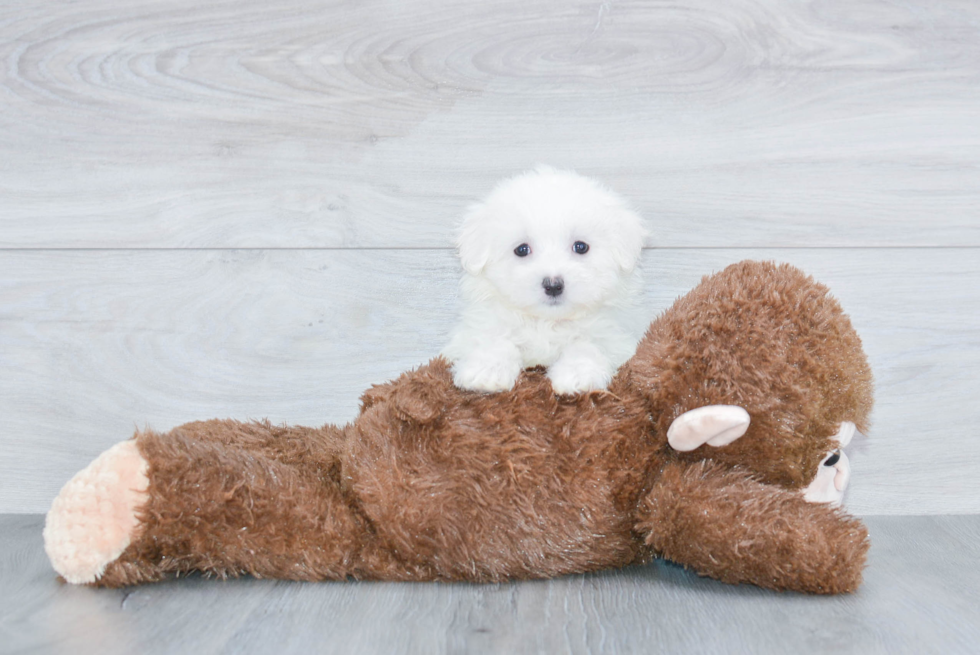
x,y
580,247
522,250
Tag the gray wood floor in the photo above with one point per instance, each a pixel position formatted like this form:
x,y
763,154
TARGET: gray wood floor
x,y
244,209
921,595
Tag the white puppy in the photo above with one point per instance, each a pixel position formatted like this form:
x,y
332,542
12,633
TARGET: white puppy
x,y
550,260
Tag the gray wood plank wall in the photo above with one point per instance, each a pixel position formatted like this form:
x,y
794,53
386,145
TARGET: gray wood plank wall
x,y
245,209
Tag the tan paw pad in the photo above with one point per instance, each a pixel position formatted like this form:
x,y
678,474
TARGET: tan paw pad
x,y
93,518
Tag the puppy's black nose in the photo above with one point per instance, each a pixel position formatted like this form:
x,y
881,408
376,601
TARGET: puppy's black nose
x,y
553,286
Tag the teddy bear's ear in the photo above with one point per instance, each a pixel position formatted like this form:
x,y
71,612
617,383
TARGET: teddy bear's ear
x,y
424,395
715,425
419,396
378,393
417,404
472,240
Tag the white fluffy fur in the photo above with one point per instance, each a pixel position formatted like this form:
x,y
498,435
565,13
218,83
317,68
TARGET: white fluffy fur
x,y
508,321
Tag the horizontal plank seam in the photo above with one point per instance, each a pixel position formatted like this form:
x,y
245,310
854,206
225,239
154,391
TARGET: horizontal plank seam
x,y
450,249
40,516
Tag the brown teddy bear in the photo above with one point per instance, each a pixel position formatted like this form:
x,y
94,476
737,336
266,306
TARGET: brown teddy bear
x,y
706,449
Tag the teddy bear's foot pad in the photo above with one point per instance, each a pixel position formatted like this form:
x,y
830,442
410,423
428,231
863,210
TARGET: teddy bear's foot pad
x,y
93,518
715,425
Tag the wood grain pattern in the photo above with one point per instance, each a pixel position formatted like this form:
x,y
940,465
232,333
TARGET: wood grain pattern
x,y
244,208
920,595
93,344
178,123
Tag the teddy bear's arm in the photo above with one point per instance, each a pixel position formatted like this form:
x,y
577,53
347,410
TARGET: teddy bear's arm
x,y
723,524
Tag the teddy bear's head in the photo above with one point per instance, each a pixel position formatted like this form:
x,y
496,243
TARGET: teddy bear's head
x,y
766,338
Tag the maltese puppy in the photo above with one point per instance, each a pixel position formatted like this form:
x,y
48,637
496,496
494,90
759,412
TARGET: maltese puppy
x,y
550,260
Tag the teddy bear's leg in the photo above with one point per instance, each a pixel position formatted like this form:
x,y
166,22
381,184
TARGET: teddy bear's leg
x,y
229,498
93,519
219,497
723,524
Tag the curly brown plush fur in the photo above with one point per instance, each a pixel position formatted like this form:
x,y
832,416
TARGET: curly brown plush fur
x,y
767,338
434,483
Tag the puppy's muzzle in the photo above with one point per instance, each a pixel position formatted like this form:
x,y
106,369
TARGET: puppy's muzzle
x,y
553,286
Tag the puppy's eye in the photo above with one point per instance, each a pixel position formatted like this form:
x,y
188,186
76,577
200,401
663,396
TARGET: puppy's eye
x,y
580,247
524,250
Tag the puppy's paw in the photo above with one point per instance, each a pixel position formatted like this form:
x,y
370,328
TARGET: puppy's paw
x,y
487,375
93,519
575,372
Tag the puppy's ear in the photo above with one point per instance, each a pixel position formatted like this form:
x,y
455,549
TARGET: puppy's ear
x,y
472,240
627,242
